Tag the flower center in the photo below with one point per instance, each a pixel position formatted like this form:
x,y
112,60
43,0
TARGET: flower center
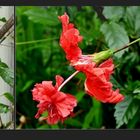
x,y
51,110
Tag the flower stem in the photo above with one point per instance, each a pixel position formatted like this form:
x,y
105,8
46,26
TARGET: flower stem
x,y
128,45
68,79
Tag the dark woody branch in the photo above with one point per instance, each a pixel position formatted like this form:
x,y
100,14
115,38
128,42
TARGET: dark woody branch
x,y
5,28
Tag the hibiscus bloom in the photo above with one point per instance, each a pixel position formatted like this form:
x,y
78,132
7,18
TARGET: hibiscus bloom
x,y
58,104
97,83
97,73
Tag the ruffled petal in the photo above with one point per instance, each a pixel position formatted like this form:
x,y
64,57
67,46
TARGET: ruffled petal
x,y
42,91
98,86
66,106
69,39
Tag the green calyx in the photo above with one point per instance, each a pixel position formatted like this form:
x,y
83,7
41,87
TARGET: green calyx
x,y
102,56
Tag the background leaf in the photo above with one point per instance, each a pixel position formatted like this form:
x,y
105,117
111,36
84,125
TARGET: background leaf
x,y
40,15
9,97
4,108
115,36
125,111
6,73
132,19
113,12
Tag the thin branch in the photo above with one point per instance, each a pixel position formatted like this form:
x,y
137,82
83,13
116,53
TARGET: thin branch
x,y
5,28
68,79
4,37
35,41
1,124
128,45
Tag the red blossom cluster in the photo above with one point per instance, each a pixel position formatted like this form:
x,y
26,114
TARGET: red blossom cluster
x,y
60,105
97,77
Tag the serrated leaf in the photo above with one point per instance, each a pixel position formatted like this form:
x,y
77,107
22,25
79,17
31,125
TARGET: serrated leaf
x,y
113,12
132,18
42,16
125,111
9,97
115,36
4,108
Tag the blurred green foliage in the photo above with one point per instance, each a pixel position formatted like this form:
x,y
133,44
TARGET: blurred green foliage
x,y
39,57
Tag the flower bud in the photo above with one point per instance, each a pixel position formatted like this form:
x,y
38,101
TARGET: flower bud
x,y
101,56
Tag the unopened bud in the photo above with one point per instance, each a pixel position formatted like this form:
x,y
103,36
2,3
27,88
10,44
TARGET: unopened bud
x,y
101,56
22,119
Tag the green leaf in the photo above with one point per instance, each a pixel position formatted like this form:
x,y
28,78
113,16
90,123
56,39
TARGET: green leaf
x,y
113,12
44,114
4,108
89,117
137,96
132,123
42,16
9,97
27,85
54,126
125,111
45,126
97,119
3,19
7,75
79,96
2,64
132,19
73,122
115,36
137,90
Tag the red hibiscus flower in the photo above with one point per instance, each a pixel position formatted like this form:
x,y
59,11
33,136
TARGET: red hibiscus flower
x,y
69,39
97,83
58,104
97,77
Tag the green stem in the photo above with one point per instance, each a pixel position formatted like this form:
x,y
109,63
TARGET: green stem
x,y
128,45
35,41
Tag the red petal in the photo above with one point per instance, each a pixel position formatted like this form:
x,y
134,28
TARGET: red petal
x,y
69,39
99,87
43,91
59,80
66,106
107,67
